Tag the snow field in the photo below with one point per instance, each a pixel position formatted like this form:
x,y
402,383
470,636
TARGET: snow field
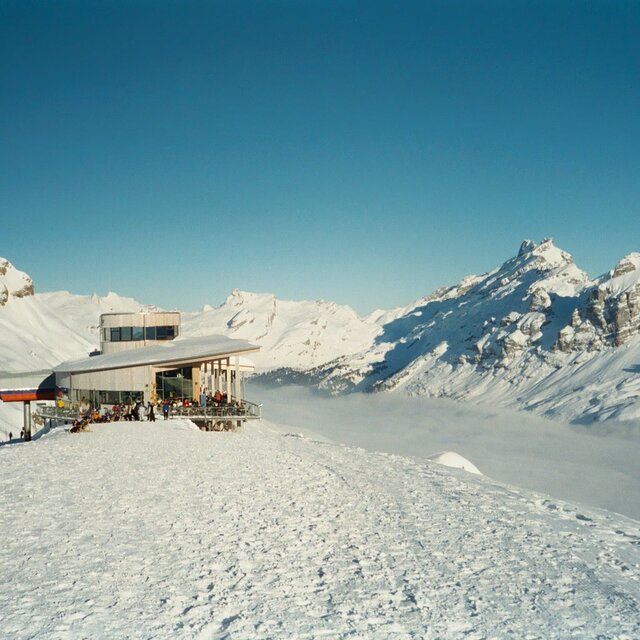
x,y
159,530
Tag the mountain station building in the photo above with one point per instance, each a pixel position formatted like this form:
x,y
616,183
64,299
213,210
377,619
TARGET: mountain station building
x,y
142,358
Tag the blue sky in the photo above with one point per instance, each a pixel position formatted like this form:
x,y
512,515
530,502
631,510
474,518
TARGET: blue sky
x,y
362,152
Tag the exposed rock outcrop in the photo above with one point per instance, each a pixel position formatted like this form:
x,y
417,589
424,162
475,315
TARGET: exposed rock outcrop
x,y
13,283
614,303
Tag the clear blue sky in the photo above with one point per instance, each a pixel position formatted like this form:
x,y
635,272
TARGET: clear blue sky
x,y
363,152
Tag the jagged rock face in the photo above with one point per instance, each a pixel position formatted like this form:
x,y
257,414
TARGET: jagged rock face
x,y
27,290
13,283
626,265
540,300
580,335
614,304
626,315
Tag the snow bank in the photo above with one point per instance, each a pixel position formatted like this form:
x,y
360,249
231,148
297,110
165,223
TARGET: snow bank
x,y
454,460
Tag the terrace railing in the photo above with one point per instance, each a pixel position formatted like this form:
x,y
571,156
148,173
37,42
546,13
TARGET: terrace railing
x,y
241,410
57,413
237,410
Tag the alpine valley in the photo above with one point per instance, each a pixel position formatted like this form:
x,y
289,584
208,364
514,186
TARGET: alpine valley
x,y
535,333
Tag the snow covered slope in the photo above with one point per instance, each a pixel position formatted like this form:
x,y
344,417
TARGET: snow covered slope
x,y
264,535
41,330
297,335
46,328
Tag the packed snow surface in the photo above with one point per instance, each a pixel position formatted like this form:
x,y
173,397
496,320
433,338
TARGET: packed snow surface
x,y
162,531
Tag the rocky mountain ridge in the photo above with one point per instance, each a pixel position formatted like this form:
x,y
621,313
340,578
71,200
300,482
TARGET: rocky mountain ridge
x,y
508,335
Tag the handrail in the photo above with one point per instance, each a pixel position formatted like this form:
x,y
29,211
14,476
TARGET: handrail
x,y
57,413
243,410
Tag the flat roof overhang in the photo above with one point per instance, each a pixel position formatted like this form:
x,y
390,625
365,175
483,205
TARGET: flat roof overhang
x,y
27,386
27,395
172,355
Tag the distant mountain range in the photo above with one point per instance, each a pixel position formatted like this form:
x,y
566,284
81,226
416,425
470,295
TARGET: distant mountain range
x,y
534,333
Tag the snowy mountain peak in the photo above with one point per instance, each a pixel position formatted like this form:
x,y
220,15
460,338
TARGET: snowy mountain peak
x,y
543,256
526,247
626,273
293,334
551,255
239,298
513,335
13,283
627,264
544,266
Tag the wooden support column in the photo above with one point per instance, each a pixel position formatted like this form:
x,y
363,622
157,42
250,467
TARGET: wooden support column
x,y
228,379
237,380
148,387
195,383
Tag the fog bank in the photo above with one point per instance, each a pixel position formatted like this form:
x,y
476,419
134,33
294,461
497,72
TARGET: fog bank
x,y
595,465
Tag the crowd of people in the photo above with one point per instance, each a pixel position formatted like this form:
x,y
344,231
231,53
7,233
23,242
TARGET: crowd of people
x,y
137,411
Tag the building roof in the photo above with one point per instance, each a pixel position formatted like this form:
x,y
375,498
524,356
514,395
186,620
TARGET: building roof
x,y
27,380
173,352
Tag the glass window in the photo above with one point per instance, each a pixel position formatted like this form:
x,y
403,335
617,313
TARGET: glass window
x,y
160,333
137,333
125,334
174,384
106,335
115,334
163,333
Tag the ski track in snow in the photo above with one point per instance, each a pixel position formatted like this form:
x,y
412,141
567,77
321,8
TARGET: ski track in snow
x,y
162,531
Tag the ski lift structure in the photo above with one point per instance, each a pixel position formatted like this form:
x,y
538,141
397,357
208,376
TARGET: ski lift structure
x,y
27,387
